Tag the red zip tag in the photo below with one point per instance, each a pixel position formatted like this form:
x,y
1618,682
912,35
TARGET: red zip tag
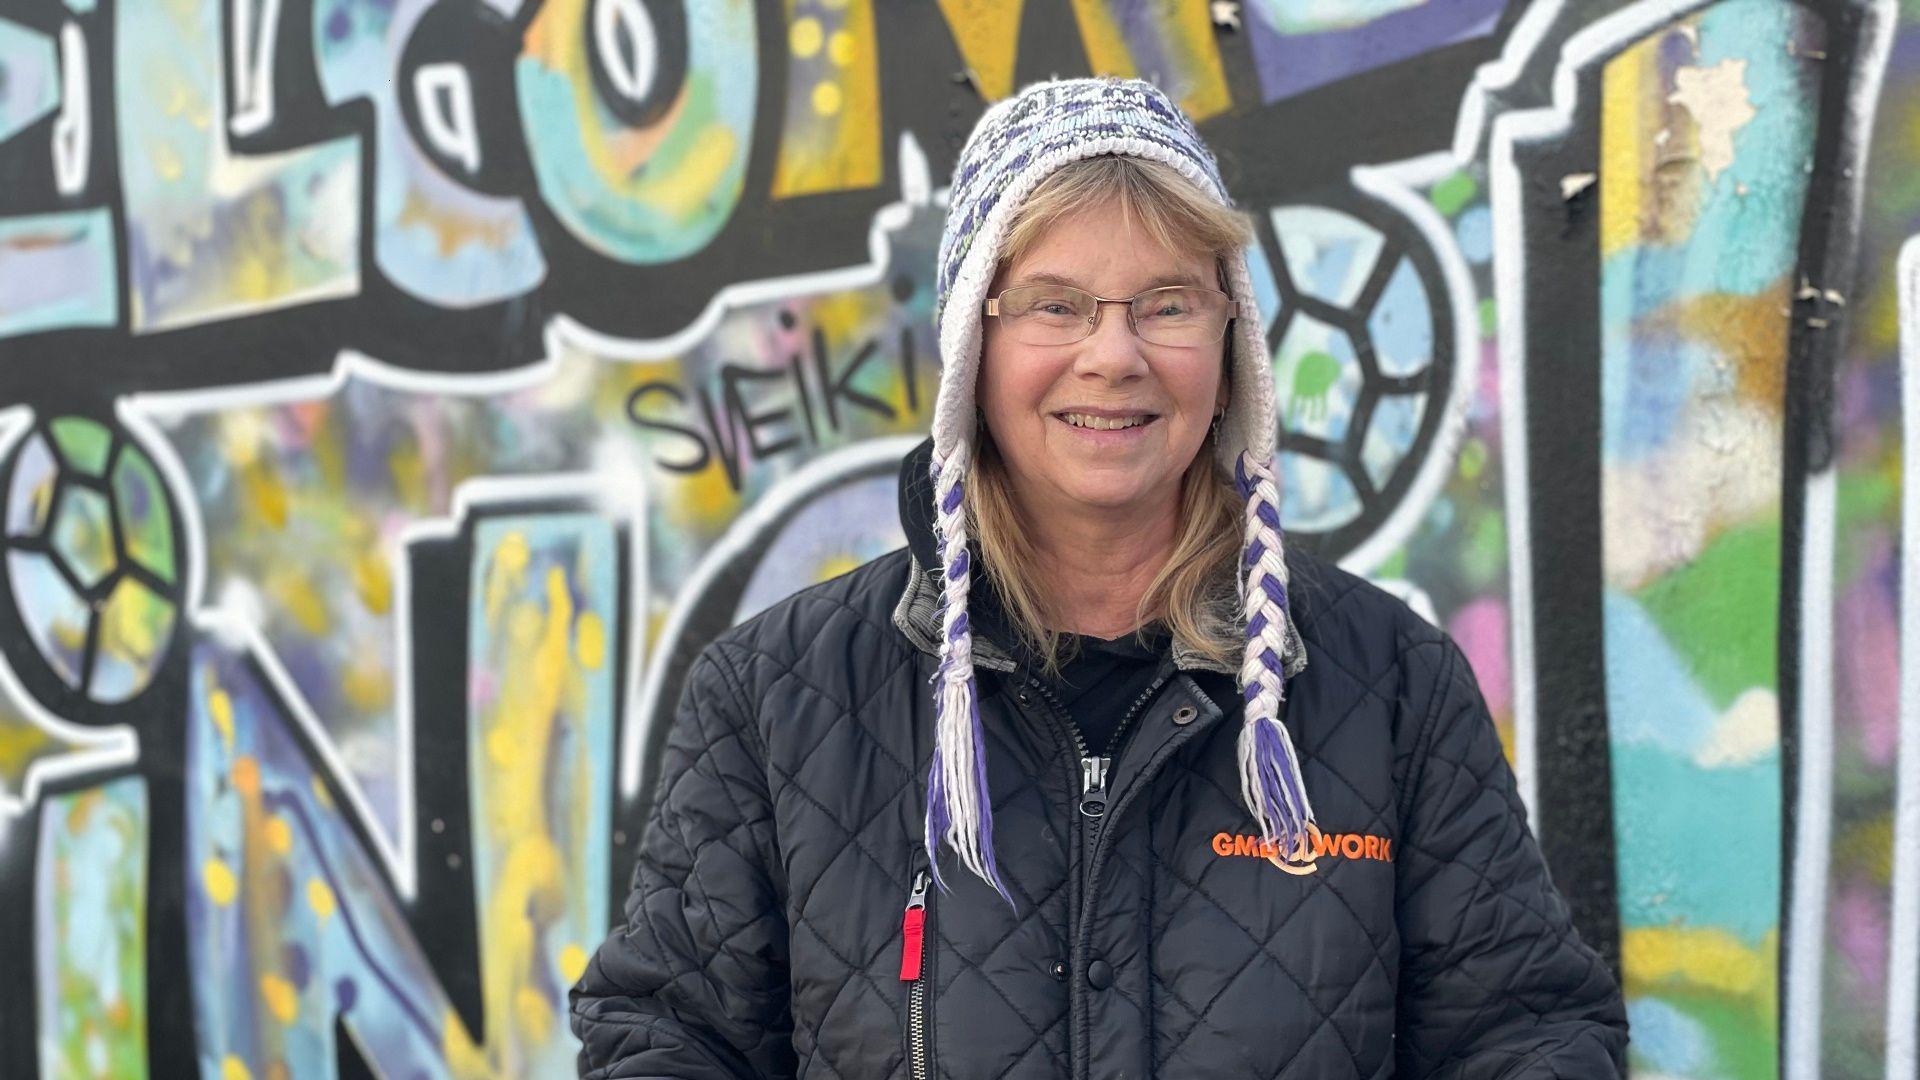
x,y
912,928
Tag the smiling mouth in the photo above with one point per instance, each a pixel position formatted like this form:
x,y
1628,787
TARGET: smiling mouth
x,y
1104,423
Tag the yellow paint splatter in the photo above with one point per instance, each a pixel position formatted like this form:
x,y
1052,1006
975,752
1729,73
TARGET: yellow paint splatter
x,y
295,593
590,640
1629,119
265,494
505,576
166,162
282,1000
840,48
1707,958
988,34
279,834
373,581
232,1068
1100,34
573,963
691,188
534,1014
457,1046
826,98
500,746
320,898
321,794
219,881
220,711
805,36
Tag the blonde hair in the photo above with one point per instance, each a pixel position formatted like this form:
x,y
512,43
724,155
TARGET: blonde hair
x,y
1195,592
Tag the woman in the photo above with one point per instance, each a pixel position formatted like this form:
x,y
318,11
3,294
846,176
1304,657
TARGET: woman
x,y
1095,847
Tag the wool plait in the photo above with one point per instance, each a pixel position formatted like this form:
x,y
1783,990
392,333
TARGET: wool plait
x,y
1270,781
958,807
1016,145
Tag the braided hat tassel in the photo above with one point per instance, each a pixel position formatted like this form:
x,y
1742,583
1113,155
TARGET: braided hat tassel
x,y
959,807
1270,781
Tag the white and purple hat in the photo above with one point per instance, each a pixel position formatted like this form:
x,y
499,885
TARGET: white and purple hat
x,y
1017,143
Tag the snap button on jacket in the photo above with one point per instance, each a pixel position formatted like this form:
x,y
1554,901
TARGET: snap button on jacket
x,y
780,922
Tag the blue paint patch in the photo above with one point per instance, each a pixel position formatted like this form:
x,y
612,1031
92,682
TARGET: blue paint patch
x,y
1697,848
1666,1039
1652,698
1474,233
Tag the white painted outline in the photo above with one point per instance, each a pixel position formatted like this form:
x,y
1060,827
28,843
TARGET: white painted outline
x,y
96,748
1804,992
788,494
253,65
1585,47
450,128
609,16
1397,186
1806,928
1903,946
73,129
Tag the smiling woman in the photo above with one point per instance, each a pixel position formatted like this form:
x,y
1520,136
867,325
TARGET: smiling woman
x,y
1091,417
1131,831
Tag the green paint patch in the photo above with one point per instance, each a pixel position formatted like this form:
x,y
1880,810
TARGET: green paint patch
x,y
1483,564
1489,317
1473,459
1866,495
1744,1039
1449,196
1721,612
84,443
144,520
1394,567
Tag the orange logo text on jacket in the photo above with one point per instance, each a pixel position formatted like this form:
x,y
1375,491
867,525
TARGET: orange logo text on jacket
x,y
1306,854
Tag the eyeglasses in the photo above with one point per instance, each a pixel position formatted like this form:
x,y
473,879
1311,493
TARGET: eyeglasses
x,y
1178,316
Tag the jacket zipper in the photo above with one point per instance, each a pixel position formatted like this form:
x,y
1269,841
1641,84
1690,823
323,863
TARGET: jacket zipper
x,y
913,953
1094,768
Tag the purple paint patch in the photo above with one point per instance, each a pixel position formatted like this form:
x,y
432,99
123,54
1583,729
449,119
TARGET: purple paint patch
x,y
1293,63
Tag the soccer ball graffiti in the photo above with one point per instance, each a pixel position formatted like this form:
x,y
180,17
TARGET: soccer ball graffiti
x,y
92,559
1362,361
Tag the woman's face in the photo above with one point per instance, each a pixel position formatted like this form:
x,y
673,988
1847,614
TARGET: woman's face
x,y
1028,393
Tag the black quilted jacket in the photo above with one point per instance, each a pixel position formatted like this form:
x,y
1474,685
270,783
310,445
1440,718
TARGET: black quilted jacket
x,y
768,934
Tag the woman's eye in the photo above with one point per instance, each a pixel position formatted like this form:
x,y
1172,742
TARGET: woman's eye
x,y
1054,309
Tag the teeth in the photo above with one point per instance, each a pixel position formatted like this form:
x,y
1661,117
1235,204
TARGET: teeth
x,y
1102,423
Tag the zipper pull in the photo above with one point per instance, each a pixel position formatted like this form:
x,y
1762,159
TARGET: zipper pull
x,y
913,928
1093,785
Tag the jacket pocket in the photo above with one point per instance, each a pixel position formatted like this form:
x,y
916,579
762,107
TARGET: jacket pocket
x,y
916,970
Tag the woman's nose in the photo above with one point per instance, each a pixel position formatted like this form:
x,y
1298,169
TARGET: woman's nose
x,y
1112,350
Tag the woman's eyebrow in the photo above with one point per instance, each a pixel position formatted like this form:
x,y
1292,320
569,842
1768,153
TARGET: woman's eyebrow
x,y
1044,277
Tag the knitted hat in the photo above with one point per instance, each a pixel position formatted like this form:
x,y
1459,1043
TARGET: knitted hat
x,y
1018,143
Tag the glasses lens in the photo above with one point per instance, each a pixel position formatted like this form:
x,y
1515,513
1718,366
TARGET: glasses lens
x,y
1046,314
1180,316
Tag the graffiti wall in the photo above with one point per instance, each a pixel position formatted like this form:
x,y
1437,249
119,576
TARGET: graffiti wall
x,y
395,395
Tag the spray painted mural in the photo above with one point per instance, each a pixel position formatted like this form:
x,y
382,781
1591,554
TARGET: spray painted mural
x,y
394,396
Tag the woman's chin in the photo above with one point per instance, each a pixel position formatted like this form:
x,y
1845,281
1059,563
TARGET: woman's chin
x,y
1107,494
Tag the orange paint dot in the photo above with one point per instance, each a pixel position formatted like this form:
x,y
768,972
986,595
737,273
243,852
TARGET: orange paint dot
x,y
246,774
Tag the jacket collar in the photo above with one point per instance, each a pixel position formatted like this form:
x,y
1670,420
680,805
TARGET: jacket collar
x,y
917,614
